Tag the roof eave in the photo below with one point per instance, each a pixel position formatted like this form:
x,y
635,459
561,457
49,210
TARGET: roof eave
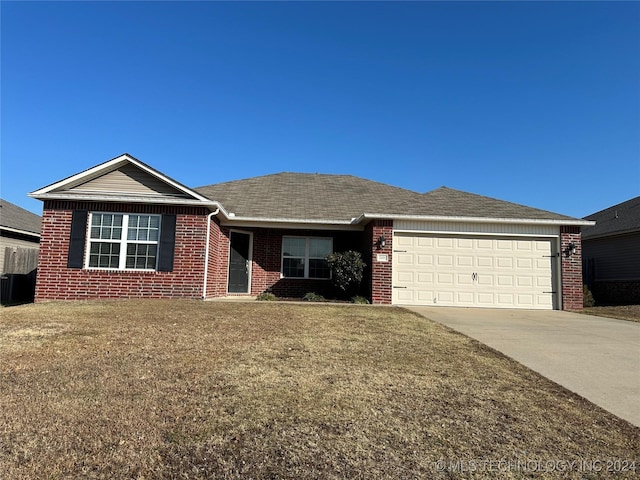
x,y
611,234
19,231
124,199
459,219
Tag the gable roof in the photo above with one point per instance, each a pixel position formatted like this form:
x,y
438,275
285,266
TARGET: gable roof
x,y
345,199
621,218
16,219
124,179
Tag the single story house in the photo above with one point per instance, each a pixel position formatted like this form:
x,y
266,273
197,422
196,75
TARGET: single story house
x,y
611,253
19,228
124,229
19,241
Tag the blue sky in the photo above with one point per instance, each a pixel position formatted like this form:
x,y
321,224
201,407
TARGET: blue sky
x,y
534,103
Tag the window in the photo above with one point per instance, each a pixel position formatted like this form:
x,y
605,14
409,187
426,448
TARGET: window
x,y
306,257
123,241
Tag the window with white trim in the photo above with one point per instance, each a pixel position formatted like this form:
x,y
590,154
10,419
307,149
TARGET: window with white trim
x,y
119,241
306,257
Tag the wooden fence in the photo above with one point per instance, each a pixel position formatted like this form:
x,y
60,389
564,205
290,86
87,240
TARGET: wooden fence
x,y
18,281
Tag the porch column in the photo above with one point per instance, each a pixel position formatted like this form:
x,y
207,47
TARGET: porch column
x,y
572,296
381,261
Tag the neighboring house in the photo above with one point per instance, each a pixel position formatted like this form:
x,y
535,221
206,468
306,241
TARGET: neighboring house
x,y
124,229
19,228
611,253
19,239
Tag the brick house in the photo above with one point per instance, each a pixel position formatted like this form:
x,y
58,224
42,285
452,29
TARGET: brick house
x,y
611,254
123,229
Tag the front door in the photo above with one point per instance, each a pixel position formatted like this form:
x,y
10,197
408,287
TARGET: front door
x,y
239,262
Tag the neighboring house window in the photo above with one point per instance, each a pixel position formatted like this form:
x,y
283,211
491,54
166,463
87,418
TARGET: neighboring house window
x,y
123,241
306,257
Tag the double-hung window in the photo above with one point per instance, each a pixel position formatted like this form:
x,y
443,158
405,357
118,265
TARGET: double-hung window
x,y
119,241
306,257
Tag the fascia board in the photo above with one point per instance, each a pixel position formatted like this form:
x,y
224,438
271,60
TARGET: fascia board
x,y
437,218
21,232
298,225
124,199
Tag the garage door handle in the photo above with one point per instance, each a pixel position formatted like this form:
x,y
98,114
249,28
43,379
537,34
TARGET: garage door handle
x,y
400,251
549,292
398,287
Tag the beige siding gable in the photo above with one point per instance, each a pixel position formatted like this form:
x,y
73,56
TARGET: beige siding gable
x,y
128,180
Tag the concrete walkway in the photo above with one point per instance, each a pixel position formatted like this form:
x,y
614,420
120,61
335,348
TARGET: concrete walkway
x,y
595,357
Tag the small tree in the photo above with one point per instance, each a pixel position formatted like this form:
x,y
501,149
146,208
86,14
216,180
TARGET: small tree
x,y
346,270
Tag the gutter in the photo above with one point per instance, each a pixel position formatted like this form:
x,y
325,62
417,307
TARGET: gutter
x,y
437,218
21,232
206,251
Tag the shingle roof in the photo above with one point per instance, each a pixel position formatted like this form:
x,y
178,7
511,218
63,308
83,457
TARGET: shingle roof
x,y
340,198
621,218
12,216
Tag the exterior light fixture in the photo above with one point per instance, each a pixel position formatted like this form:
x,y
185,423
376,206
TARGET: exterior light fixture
x,y
382,242
571,249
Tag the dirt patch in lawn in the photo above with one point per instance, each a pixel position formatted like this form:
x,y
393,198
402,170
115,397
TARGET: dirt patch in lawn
x,y
190,389
622,312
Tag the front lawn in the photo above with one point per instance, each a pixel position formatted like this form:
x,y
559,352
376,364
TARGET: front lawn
x,y
621,312
195,390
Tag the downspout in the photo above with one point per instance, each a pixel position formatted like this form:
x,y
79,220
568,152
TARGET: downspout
x,y
206,252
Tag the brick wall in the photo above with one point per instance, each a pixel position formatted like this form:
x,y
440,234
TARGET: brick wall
x,y
381,281
57,282
266,261
571,269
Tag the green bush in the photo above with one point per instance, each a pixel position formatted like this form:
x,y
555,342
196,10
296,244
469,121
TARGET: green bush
x,y
266,297
313,297
359,299
346,271
587,297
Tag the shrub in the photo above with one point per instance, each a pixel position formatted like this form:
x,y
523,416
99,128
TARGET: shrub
x,y
587,297
313,297
359,299
346,271
266,297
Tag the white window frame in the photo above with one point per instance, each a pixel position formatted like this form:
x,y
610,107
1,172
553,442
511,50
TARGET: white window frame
x,y
123,241
306,256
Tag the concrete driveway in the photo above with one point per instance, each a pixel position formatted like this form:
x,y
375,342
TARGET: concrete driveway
x,y
595,357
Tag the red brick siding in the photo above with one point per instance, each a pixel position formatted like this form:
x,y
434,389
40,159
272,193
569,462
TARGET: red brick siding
x,y
381,279
266,261
217,262
57,282
571,269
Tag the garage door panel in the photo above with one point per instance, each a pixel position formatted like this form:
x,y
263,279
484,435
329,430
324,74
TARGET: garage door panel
x,y
464,261
404,259
424,259
424,242
466,298
445,297
473,271
484,262
404,295
403,241
524,281
405,277
485,299
425,278
444,260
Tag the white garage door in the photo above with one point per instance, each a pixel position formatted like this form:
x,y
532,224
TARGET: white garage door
x,y
472,271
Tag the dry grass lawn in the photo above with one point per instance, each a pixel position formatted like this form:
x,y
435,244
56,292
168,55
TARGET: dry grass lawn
x,y
622,312
200,390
